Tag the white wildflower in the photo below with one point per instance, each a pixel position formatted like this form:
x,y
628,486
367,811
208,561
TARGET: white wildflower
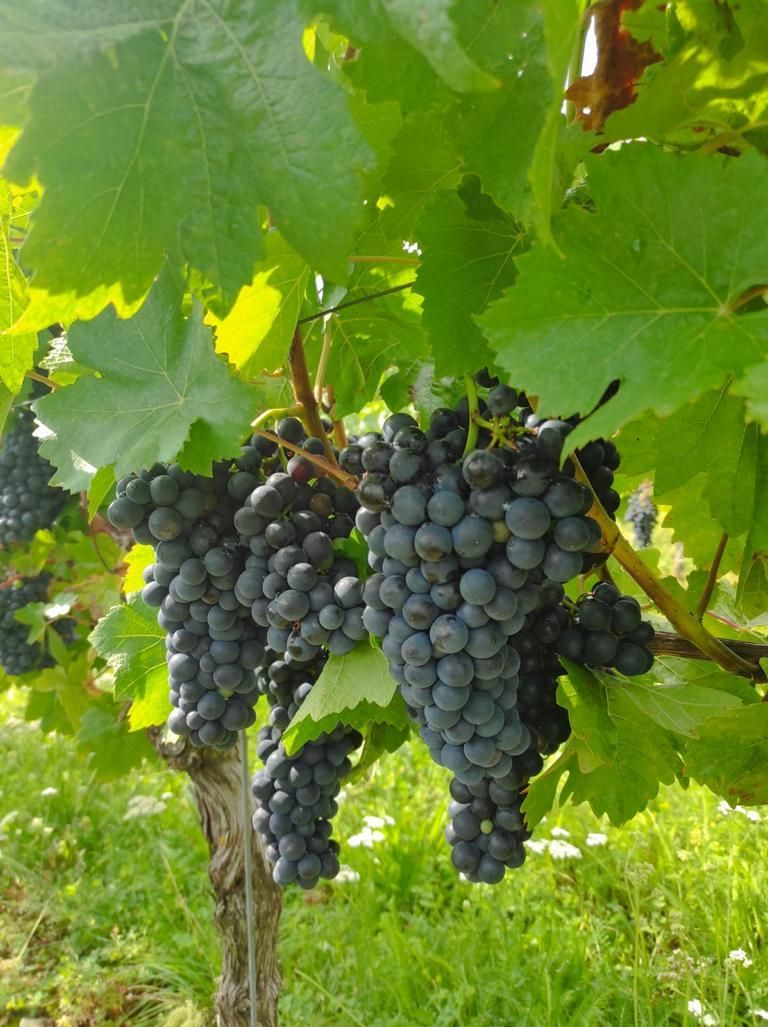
x,y
347,875
595,838
143,806
560,832
724,808
36,824
696,1010
736,956
48,792
367,838
537,844
563,850
376,822
639,873
760,1014
752,814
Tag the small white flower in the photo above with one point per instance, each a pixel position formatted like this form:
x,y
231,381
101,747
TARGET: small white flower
x,y
347,875
753,815
367,838
738,956
595,838
563,850
36,824
376,822
760,1014
47,792
696,1009
560,832
537,845
143,806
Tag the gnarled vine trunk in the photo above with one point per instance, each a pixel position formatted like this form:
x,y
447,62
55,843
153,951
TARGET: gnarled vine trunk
x,y
217,782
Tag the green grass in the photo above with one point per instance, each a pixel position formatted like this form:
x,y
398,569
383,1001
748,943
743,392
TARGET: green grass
x,y
106,920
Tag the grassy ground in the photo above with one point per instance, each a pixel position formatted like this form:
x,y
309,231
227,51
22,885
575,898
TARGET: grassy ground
x,y
104,910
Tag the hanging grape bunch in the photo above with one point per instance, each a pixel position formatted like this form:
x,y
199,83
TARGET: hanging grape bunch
x,y
17,654
472,534
296,795
27,502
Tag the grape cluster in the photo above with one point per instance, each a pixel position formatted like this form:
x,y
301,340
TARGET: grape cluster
x,y
301,590
17,654
642,514
27,502
470,554
607,630
212,644
296,795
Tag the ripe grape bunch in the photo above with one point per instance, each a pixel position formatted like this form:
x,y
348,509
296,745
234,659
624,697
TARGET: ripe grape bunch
x,y
607,630
470,554
17,654
305,594
212,644
642,514
27,502
296,795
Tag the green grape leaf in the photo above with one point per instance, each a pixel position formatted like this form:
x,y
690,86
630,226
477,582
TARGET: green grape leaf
x,y
466,263
622,754
428,26
635,296
164,391
113,749
513,40
256,333
680,708
353,690
136,560
424,160
16,349
541,793
711,437
100,489
132,642
731,755
371,340
754,386
171,126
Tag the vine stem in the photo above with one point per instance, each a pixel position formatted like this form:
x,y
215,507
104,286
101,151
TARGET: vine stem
x,y
302,390
667,643
474,413
322,365
683,621
245,779
709,588
348,480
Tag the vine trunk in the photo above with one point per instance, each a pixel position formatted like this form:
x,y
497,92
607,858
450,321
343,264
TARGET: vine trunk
x,y
217,784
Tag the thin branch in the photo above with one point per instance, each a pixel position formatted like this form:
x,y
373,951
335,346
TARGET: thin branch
x,y
709,588
413,261
745,297
35,377
274,412
666,643
322,365
353,303
339,429
684,621
333,470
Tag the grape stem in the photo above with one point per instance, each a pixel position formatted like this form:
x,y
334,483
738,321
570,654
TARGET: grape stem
x,y
305,397
295,410
322,365
332,470
474,413
684,621
35,377
667,643
709,588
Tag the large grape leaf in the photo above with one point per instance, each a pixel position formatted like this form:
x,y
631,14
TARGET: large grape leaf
x,y
711,437
643,291
113,749
498,132
163,391
16,348
731,755
426,25
170,127
466,263
256,333
132,642
353,690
